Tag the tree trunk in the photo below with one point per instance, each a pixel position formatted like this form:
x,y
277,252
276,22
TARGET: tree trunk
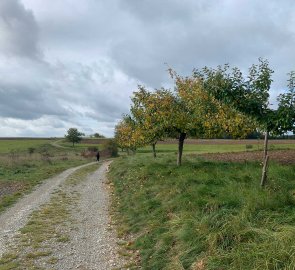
x,y
264,172
154,150
265,145
180,147
265,160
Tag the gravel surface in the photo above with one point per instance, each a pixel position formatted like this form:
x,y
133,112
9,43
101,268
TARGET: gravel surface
x,y
16,217
91,244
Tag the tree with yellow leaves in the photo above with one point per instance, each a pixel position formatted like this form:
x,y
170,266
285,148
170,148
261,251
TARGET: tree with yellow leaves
x,y
250,97
152,112
127,135
200,114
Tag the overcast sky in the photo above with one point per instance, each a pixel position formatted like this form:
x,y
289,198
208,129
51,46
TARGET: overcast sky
x,y
73,63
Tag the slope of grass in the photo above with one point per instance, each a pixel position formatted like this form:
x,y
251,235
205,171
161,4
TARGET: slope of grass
x,y
205,215
20,171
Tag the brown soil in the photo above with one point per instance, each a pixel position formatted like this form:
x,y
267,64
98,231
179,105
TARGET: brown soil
x,y
93,141
223,141
286,157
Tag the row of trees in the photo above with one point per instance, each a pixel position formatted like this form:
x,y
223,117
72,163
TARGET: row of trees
x,y
209,103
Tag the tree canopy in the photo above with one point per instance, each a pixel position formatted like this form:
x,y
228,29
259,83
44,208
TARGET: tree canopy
x,y
209,103
74,136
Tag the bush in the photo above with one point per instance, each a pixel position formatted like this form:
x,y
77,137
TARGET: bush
x,y
249,146
31,150
111,148
92,148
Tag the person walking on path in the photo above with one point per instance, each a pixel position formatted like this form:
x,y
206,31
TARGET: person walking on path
x,y
97,156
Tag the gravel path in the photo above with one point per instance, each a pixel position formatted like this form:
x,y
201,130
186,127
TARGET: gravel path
x,y
17,216
92,243
56,144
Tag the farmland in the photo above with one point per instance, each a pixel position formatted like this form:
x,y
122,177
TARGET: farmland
x,y
219,146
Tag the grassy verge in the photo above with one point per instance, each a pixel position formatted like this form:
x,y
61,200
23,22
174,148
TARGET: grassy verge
x,y
205,215
47,227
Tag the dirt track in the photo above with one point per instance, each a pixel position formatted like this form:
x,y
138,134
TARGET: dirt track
x,y
92,244
223,141
16,217
285,157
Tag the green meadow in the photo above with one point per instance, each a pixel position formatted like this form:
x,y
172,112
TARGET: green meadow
x,y
24,163
7,146
214,148
83,145
204,214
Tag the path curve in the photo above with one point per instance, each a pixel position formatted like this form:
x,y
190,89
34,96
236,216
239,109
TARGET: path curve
x,y
55,144
17,216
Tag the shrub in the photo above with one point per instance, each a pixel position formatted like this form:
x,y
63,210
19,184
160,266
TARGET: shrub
x,y
92,148
31,150
111,148
249,146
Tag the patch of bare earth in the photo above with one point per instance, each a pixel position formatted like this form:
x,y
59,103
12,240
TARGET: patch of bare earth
x,y
286,157
226,141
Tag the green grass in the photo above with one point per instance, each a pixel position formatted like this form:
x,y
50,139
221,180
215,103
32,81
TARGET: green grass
x,y
80,146
205,214
21,171
216,148
6,146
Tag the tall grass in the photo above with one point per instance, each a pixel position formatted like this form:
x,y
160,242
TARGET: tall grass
x,y
205,215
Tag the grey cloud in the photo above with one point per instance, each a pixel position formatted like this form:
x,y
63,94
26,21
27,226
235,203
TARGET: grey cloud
x,y
98,51
19,30
95,87
66,92
228,31
140,36
156,12
23,102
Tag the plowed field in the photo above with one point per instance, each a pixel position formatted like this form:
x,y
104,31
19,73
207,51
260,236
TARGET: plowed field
x,y
285,157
